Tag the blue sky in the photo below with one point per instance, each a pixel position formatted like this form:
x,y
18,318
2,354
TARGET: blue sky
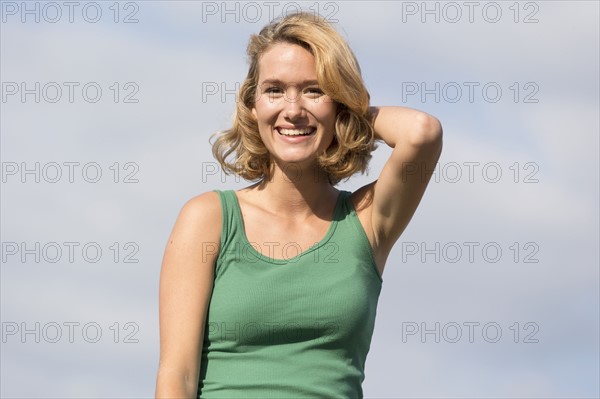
x,y
540,212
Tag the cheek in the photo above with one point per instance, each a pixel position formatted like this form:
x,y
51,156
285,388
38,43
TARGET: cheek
x,y
264,111
264,116
327,114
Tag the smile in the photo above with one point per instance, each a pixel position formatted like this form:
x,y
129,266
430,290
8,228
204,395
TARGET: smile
x,y
296,132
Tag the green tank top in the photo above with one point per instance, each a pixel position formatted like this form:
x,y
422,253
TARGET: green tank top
x,y
294,327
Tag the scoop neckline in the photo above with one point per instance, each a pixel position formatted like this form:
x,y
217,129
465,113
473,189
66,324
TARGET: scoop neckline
x,y
294,259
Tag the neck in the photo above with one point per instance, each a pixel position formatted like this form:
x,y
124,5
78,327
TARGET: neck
x,y
298,192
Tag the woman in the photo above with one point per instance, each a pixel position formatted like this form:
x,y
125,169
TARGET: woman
x,y
271,291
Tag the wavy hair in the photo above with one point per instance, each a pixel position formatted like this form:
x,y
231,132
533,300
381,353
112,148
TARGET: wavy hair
x,y
240,149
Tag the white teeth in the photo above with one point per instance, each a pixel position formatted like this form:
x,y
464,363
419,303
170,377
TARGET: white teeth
x,y
296,132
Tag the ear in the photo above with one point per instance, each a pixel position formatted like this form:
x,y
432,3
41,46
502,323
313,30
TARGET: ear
x,y
254,113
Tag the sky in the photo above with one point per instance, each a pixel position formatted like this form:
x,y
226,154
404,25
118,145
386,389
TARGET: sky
x,y
105,116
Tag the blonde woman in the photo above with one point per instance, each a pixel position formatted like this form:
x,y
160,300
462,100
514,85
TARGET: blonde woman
x,y
271,291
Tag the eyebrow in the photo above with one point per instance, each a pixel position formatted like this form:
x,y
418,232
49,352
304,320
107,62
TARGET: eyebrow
x,y
279,82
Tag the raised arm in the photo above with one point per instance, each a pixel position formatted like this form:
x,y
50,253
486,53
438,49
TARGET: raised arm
x,y
389,203
186,282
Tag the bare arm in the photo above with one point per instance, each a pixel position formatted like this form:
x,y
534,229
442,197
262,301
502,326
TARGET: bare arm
x,y
391,201
186,282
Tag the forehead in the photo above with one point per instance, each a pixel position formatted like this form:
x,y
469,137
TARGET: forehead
x,y
288,63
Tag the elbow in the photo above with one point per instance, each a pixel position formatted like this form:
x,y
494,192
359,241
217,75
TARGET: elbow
x,y
428,130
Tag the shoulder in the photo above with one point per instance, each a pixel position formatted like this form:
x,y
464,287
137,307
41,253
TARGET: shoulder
x,y
201,215
203,205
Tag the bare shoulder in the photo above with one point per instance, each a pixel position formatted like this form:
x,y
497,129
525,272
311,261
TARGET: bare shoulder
x,y
203,205
197,230
202,213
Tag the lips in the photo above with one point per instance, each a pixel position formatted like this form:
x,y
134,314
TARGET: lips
x,y
293,132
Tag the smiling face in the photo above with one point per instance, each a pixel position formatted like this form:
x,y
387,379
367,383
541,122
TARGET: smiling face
x,y
296,120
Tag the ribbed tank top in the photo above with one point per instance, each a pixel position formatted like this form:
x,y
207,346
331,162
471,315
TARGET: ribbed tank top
x,y
290,328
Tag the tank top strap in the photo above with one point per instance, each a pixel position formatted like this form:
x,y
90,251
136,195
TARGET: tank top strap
x,y
231,220
353,231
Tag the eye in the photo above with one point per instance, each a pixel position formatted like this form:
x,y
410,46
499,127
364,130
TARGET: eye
x,y
273,90
314,91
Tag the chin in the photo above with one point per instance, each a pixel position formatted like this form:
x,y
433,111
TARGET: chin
x,y
297,160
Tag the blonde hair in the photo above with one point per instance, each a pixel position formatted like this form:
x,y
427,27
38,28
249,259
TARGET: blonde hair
x,y
339,77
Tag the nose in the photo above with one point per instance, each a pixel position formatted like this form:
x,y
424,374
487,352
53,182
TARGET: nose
x,y
294,107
